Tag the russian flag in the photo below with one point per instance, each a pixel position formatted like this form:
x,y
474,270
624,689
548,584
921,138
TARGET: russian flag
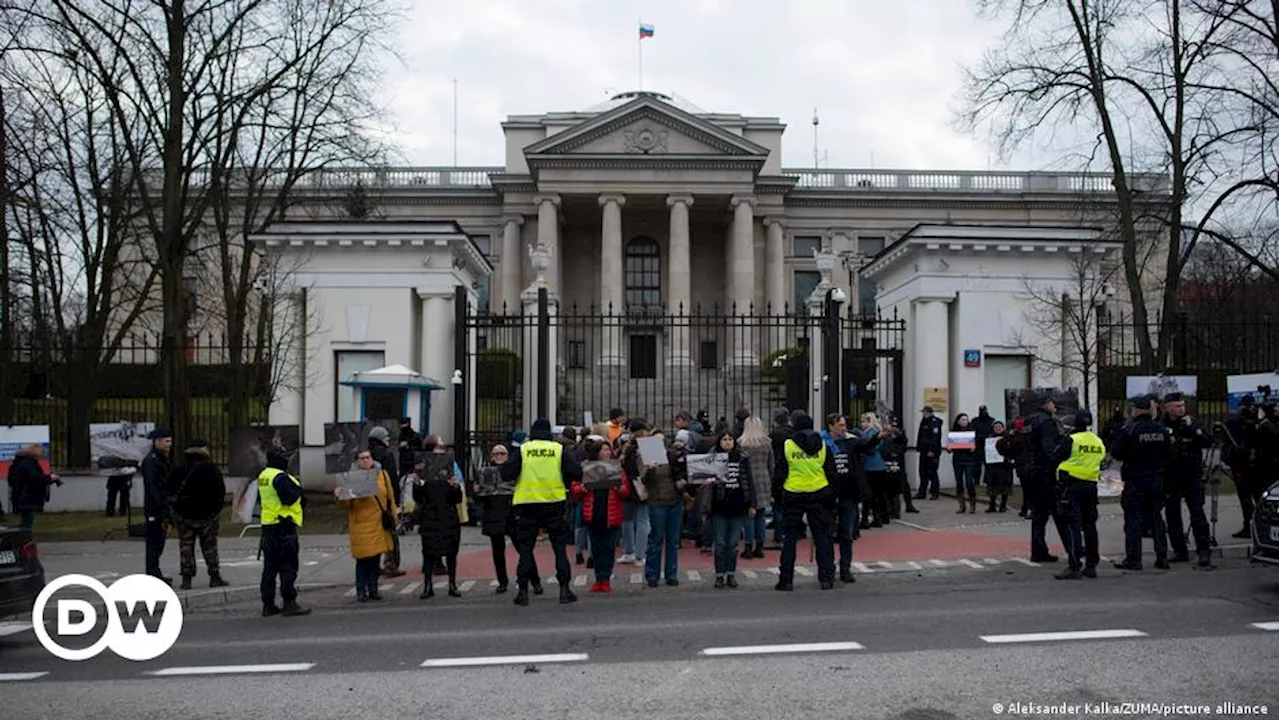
x,y
646,31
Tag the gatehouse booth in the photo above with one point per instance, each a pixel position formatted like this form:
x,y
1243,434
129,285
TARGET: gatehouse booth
x,y
392,391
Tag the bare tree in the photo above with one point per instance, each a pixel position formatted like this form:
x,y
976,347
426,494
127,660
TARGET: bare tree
x,y
1063,319
188,77
1188,87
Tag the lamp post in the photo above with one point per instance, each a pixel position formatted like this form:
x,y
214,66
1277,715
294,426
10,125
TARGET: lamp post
x,y
831,345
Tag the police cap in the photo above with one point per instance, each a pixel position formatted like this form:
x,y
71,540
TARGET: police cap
x,y
1141,402
1174,397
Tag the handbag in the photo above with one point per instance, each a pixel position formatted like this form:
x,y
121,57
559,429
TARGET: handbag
x,y
388,520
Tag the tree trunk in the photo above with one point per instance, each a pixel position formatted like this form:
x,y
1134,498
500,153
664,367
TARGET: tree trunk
x,y
7,335
172,242
81,394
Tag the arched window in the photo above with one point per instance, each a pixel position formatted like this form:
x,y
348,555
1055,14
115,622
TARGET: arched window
x,y
643,268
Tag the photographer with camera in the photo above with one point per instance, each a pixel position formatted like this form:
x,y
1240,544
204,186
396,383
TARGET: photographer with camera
x,y
1184,481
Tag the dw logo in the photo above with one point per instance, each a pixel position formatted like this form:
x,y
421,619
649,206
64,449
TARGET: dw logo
x,y
144,617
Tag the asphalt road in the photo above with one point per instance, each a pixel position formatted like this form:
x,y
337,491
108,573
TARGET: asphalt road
x,y
908,648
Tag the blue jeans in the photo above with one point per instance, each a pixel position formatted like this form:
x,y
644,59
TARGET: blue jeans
x,y
664,529
581,538
753,528
635,529
367,573
727,529
967,478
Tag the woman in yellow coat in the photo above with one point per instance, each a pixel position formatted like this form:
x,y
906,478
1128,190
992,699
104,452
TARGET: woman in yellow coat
x,y
370,522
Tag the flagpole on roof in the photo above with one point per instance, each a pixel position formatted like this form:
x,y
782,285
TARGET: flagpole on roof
x,y
640,54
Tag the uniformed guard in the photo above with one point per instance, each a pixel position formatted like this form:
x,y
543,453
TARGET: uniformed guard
x,y
543,474
1184,482
1077,490
282,503
1043,441
1144,449
808,495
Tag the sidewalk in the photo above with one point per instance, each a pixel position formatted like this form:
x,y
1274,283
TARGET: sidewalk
x,y
937,536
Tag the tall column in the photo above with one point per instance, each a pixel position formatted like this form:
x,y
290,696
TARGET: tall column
x,y
611,284
679,280
775,279
549,236
931,353
743,259
437,357
511,264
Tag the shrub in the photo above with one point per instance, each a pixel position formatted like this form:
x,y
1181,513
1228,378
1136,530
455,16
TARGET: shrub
x,y
498,373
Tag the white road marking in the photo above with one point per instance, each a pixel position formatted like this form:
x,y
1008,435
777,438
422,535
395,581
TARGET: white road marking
x,y
862,567
969,563
991,561
441,585
20,676
410,588
1027,562
776,649
233,669
13,628
636,578
802,570
349,593
773,570
504,660
551,581
914,565
939,563
580,581
750,574
885,565
464,587
694,576
1273,626
493,583
1070,635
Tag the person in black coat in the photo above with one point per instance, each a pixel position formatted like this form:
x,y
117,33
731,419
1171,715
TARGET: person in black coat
x,y
733,499
437,493
29,484
198,492
155,486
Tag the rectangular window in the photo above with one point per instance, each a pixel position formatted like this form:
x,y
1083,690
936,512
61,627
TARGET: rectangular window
x,y
870,246
643,358
192,287
866,297
577,355
708,358
484,243
805,282
483,285
803,246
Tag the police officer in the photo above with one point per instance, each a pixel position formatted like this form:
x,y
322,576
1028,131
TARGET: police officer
x,y
1241,455
282,503
542,473
1184,481
1044,440
929,445
155,487
809,493
1082,454
1143,448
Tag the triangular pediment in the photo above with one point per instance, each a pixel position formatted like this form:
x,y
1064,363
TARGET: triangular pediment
x,y
647,126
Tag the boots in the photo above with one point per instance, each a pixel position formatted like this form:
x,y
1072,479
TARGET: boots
x,y
973,505
758,553
960,497
566,595
453,590
1004,503
270,609
522,596
186,583
216,581
747,552
429,591
846,576
293,609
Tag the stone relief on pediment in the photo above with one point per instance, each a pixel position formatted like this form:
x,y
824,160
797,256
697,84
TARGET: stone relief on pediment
x,y
645,137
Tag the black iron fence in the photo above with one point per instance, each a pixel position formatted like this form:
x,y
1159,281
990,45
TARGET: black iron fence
x,y
1208,348
654,362
129,388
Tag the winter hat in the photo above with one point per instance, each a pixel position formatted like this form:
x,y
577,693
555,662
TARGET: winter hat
x,y
802,422
684,436
379,433
541,425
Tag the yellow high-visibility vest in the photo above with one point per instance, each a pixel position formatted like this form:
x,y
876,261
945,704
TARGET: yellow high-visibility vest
x,y
1087,453
540,480
804,471
273,511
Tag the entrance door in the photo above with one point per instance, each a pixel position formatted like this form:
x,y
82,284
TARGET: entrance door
x,y
384,403
1004,372
346,407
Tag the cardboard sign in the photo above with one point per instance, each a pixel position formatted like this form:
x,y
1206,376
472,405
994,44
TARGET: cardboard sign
x,y
652,450
359,483
602,474
16,437
993,456
123,440
707,468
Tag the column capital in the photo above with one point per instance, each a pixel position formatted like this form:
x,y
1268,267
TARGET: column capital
x,y
737,200
933,299
775,220
517,220
617,198
685,198
547,198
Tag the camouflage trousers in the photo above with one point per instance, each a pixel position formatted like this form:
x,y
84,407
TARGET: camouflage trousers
x,y
207,533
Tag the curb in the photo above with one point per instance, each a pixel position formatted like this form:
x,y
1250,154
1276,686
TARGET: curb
x,y
192,599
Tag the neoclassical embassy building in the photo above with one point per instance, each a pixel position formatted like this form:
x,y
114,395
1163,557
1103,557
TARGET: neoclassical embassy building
x,y
645,206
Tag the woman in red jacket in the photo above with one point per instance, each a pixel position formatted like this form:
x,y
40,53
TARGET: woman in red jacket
x,y
601,492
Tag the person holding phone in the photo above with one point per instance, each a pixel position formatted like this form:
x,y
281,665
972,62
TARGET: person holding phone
x,y
437,493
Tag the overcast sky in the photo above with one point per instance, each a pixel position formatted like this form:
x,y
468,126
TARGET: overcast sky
x,y
883,76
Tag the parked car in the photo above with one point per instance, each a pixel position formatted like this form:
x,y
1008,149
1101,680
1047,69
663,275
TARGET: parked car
x,y
1266,533
21,574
